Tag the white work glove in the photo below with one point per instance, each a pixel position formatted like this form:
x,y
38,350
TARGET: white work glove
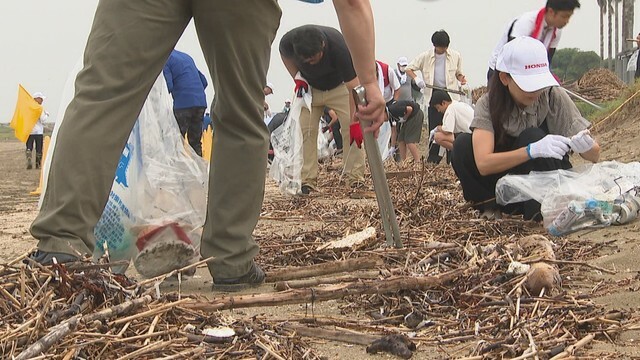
x,y
550,146
582,142
420,83
432,135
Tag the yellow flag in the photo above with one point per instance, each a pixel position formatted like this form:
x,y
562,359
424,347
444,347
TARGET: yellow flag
x,y
26,115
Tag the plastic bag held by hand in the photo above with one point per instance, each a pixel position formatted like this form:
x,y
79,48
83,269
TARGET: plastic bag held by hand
x,y
582,142
432,135
355,134
550,146
302,86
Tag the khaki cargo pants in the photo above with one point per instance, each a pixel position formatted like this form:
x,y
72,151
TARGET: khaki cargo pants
x,y
352,157
129,43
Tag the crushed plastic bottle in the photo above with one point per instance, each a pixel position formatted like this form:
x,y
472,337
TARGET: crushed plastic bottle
x,y
627,206
563,223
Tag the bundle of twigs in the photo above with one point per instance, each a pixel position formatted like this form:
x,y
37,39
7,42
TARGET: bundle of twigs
x,y
478,92
86,312
479,303
600,84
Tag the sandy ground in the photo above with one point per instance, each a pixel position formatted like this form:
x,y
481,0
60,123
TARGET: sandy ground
x,y
620,251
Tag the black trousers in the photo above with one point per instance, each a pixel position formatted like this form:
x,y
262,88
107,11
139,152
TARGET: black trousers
x,y
481,189
37,140
435,119
337,136
190,122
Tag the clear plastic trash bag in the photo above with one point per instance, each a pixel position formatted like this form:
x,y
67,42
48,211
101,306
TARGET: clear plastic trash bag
x,y
286,141
583,189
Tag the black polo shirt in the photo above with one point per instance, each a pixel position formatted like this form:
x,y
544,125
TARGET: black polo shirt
x,y
335,67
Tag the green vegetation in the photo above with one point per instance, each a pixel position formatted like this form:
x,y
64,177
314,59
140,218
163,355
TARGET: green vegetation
x,y
594,115
6,133
570,64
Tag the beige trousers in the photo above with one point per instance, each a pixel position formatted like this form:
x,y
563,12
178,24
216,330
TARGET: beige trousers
x,y
353,157
127,48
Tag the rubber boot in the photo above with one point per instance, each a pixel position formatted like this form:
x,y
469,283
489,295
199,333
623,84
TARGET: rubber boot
x,y
29,166
38,160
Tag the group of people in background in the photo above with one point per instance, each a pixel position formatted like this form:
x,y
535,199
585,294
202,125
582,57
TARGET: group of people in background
x,y
524,123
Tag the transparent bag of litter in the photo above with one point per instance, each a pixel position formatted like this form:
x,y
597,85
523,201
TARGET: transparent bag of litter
x,y
160,183
593,195
324,149
286,141
384,137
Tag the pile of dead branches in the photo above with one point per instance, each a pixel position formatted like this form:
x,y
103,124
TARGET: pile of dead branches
x,y
478,92
467,287
451,283
86,312
600,85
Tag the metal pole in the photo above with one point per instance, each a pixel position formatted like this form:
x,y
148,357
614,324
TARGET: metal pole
x,y
577,96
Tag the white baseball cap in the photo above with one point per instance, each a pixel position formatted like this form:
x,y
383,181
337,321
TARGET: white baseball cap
x,y
288,101
270,86
39,95
525,59
402,61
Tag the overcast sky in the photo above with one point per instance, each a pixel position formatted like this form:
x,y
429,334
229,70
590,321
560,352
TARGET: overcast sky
x,y
43,40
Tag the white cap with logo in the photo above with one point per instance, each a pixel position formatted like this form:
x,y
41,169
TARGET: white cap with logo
x,y
525,59
402,61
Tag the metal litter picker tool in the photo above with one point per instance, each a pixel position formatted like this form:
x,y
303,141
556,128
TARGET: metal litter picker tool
x,y
453,91
380,185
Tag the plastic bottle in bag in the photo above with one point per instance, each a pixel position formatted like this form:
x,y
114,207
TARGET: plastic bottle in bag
x,y
562,224
627,206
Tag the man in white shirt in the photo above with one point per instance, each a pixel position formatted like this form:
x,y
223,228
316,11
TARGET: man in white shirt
x,y
441,67
457,118
37,134
545,25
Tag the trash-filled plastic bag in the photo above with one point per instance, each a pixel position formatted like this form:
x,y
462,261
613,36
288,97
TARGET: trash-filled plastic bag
x,y
324,145
594,195
286,141
160,182
384,136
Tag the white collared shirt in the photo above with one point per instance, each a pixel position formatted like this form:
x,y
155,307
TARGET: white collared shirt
x,y
426,64
523,26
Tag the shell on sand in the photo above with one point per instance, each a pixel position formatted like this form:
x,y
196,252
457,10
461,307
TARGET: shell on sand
x,y
543,276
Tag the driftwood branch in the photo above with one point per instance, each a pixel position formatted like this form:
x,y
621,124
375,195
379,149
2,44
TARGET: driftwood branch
x,y
333,335
333,267
305,283
53,336
123,308
299,296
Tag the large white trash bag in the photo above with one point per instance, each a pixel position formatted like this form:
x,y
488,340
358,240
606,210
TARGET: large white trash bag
x,y
159,181
286,140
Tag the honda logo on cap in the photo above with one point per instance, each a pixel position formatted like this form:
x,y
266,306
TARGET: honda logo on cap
x,y
535,66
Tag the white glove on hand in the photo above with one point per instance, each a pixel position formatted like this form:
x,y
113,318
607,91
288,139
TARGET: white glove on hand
x,y
420,83
432,135
582,142
550,146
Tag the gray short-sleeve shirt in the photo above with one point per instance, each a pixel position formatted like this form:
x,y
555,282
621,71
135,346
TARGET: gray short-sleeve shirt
x,y
553,106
